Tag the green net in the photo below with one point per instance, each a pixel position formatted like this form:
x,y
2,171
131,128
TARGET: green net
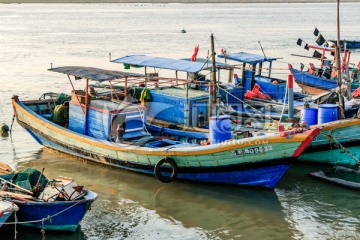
x,y
27,179
62,98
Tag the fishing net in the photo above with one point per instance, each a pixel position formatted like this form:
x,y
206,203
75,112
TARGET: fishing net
x,y
27,179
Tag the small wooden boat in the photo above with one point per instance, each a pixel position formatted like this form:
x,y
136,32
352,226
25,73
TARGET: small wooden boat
x,y
350,44
323,79
57,215
342,176
51,205
6,210
114,132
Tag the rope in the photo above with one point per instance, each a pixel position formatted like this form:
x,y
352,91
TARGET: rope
x,y
283,109
12,122
341,146
244,102
15,218
48,217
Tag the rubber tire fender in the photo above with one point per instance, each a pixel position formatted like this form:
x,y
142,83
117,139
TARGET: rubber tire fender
x,y
174,170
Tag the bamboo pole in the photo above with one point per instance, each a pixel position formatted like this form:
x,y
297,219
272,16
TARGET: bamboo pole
x,y
338,66
17,186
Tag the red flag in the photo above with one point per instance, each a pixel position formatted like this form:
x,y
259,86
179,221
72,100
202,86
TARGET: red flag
x,y
193,58
358,66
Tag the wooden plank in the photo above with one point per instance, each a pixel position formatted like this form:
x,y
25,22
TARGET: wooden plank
x,y
17,196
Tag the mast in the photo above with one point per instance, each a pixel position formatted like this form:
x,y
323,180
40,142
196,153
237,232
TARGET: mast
x,y
213,88
338,66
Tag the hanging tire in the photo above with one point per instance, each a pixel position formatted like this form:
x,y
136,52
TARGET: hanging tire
x,y
174,170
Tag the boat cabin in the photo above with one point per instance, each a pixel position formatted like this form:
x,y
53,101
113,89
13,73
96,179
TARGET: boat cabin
x,y
253,73
105,116
183,106
178,106
104,119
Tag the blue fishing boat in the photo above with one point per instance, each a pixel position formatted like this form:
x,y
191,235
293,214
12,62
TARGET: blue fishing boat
x,y
56,215
108,130
264,91
6,210
50,205
350,44
322,79
253,68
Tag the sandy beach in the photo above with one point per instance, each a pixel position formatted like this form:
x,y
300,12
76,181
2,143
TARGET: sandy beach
x,y
173,1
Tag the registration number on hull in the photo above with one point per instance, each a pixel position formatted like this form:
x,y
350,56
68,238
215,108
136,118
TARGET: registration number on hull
x,y
253,150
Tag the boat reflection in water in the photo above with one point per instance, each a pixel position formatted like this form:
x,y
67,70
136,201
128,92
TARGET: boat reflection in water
x,y
134,205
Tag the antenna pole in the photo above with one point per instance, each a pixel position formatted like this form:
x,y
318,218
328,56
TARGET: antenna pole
x,y
262,50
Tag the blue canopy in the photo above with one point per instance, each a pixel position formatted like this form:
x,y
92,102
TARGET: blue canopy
x,y
163,63
247,57
95,74
207,61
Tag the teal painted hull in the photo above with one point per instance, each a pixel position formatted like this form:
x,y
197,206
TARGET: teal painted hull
x,y
337,144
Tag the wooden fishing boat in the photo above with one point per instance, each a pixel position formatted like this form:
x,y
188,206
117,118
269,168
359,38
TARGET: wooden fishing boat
x,y
272,87
6,210
264,91
350,44
56,205
342,176
313,84
323,150
57,215
113,132
338,143
323,79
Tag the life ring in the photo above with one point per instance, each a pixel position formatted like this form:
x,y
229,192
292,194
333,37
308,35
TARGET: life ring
x,y
174,170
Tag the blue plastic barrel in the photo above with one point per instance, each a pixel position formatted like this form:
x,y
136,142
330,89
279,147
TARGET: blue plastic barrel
x,y
310,116
220,129
327,113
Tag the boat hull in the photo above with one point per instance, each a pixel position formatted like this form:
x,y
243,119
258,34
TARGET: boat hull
x,y
341,176
59,215
312,90
6,210
4,217
265,174
259,161
315,85
338,143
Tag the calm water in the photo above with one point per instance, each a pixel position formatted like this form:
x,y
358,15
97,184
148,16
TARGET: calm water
x,y
134,206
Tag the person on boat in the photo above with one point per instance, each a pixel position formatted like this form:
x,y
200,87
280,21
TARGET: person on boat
x,y
61,114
